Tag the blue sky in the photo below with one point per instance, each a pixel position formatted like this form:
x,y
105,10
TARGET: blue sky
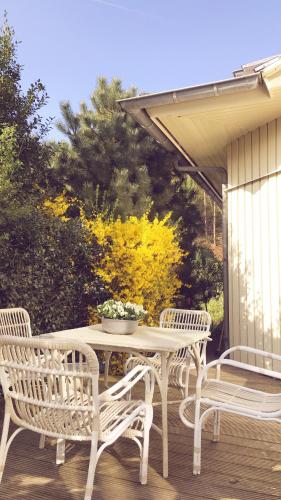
x,y
153,44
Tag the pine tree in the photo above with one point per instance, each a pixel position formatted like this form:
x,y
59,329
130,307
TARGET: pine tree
x,y
107,148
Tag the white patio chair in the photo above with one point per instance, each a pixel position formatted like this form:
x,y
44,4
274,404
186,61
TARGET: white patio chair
x,y
181,320
52,398
15,321
213,396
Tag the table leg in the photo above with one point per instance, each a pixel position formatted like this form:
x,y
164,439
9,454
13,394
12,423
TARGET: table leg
x,y
163,383
195,353
164,397
107,355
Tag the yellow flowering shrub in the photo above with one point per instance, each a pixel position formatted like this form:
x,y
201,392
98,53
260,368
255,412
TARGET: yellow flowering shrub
x,y
58,206
140,260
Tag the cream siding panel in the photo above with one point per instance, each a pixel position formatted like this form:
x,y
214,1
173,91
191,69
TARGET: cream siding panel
x,y
254,210
242,246
249,311
273,250
255,279
278,216
230,255
234,265
265,255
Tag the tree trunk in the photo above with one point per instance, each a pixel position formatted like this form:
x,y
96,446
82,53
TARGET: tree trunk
x,y
214,224
205,216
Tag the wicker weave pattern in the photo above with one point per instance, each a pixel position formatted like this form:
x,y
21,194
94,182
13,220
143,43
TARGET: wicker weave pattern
x,y
52,388
214,396
15,321
183,320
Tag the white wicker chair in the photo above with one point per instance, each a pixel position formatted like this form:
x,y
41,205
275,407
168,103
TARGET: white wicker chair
x,y
15,321
182,320
50,396
213,396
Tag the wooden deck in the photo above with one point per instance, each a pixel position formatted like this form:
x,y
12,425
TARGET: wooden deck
x,y
245,464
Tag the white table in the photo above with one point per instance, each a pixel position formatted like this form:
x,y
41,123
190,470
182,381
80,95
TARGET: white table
x,y
164,341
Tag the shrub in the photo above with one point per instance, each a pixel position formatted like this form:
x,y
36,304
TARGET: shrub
x,y
215,308
206,276
140,261
46,266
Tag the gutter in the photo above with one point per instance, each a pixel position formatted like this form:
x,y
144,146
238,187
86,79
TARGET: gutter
x,y
138,107
215,89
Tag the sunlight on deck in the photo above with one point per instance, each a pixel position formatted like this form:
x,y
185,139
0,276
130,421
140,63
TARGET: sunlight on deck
x,y
244,465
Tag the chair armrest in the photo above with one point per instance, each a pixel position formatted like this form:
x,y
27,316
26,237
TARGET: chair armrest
x,y
238,364
252,350
124,385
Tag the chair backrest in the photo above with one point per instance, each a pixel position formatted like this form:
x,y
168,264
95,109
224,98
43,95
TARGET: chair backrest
x,y
50,387
185,319
15,321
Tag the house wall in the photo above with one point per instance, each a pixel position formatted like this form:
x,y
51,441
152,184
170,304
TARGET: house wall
x,y
254,215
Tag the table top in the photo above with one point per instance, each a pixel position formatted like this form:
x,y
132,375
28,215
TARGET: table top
x,y
144,339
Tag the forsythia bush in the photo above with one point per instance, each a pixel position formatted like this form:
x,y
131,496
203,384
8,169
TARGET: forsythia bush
x,y
141,260
58,206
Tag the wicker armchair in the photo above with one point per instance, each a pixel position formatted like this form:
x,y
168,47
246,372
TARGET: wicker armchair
x,y
213,396
52,388
182,363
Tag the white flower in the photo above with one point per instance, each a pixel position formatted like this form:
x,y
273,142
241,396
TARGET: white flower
x,y
118,310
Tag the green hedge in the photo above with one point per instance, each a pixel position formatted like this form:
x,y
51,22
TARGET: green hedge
x,y
46,267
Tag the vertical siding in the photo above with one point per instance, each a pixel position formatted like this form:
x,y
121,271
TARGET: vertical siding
x,y
233,201
254,213
255,277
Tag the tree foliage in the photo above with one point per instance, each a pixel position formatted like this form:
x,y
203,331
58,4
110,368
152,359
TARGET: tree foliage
x,y
206,274
107,148
20,111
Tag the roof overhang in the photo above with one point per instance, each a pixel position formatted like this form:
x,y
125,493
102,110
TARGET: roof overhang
x,y
199,122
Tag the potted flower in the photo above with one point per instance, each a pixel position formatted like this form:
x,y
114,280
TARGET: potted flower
x,y
120,317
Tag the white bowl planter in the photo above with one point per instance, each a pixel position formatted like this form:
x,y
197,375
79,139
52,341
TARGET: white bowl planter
x,y
119,326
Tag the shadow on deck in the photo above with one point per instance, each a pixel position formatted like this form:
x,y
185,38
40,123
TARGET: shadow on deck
x,y
245,464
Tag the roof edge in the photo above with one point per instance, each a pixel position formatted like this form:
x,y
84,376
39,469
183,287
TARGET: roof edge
x,y
138,106
215,89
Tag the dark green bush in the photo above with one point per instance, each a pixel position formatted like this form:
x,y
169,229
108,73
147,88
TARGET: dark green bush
x,y
46,267
204,272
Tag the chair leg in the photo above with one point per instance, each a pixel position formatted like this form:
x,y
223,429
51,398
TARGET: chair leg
x,y
197,450
3,445
42,441
145,448
197,441
128,395
60,457
216,430
186,382
92,468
